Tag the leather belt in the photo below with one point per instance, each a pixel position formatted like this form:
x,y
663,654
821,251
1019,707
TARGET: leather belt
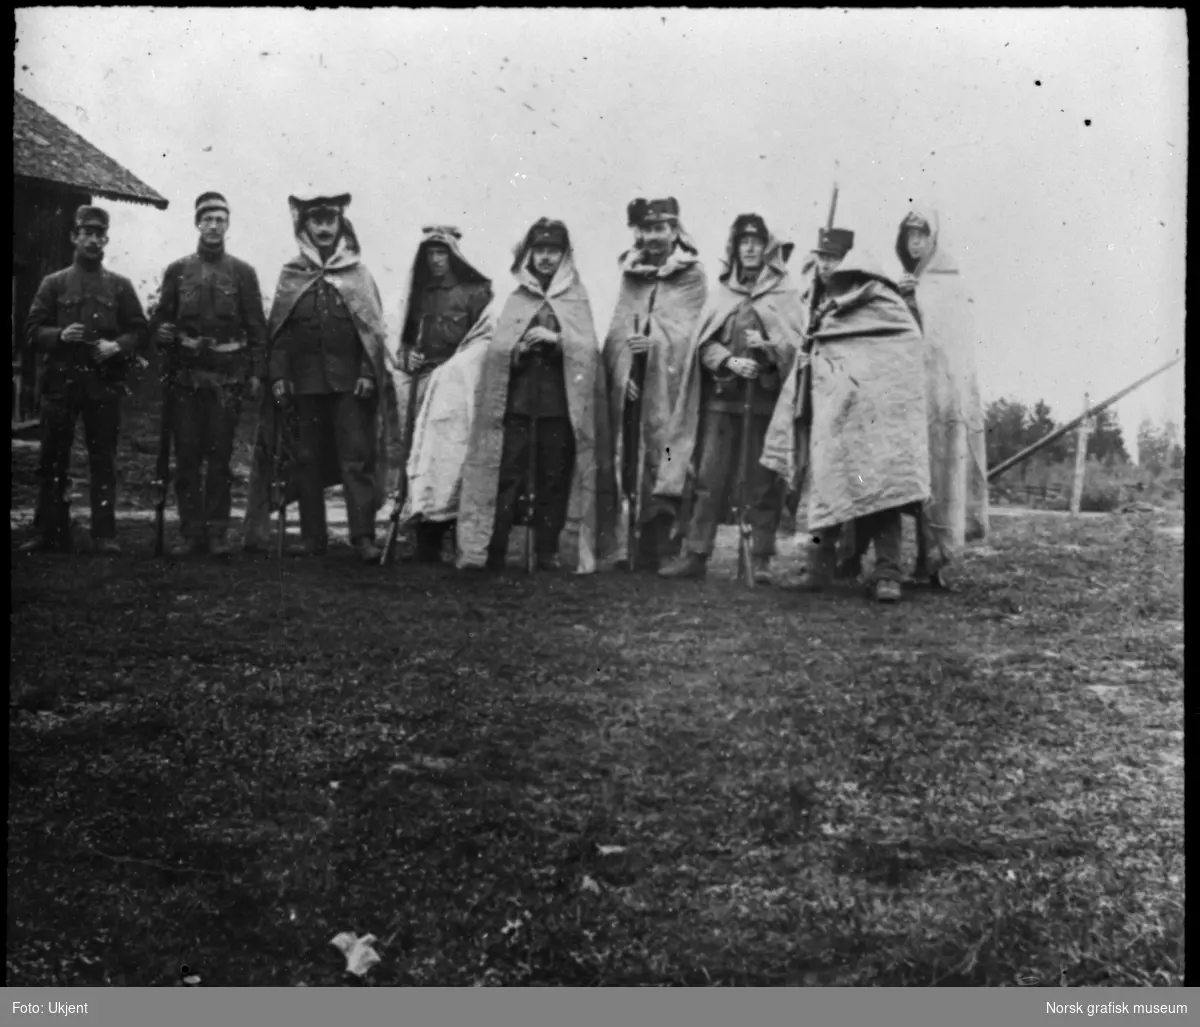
x,y
210,343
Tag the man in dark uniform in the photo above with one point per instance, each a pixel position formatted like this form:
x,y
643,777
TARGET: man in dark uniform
x,y
89,325
447,296
209,320
733,346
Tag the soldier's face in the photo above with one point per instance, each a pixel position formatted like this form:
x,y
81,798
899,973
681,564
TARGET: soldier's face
x,y
323,226
827,264
90,241
213,225
437,260
750,252
659,237
918,243
546,259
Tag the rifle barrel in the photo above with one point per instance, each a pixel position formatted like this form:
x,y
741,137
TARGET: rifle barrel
x,y
1059,432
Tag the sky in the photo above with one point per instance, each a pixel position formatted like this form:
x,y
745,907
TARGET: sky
x,y
1053,142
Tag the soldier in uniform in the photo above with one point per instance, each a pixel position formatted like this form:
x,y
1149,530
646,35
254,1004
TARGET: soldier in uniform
x,y
209,320
327,357
89,325
446,298
751,331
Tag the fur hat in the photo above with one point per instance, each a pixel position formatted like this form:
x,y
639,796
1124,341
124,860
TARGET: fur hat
x,y
750,224
546,232
307,203
661,210
635,212
210,201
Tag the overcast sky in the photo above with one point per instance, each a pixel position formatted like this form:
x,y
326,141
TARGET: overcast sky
x,y
1054,143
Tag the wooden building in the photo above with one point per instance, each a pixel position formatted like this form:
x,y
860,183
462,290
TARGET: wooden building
x,y
54,171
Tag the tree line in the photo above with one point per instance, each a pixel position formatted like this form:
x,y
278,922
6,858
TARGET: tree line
x,y
1011,426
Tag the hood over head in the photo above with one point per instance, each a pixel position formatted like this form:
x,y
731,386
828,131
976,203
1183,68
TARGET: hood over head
x,y
777,254
938,259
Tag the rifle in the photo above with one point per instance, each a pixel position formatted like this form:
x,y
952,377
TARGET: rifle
x,y
163,469
278,475
633,427
410,423
745,569
531,499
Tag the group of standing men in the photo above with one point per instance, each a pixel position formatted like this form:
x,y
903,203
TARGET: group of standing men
x,y
844,386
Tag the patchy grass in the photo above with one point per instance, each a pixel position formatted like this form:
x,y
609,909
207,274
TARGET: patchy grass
x,y
225,765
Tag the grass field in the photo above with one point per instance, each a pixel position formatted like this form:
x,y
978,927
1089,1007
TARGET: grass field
x,y
599,781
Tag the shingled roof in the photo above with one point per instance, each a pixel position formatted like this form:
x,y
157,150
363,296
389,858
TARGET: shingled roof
x,y
46,150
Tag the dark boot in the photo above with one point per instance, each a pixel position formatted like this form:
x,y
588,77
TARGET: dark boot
x,y
690,565
429,542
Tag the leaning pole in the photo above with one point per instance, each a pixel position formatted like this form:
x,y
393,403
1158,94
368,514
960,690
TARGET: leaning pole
x,y
1059,432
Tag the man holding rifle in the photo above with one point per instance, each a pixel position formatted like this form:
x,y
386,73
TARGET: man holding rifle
x,y
745,344
89,325
850,422
539,407
446,299
210,327
663,290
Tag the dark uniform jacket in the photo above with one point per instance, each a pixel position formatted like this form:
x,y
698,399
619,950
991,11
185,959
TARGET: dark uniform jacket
x,y
216,297
536,386
318,349
447,309
106,305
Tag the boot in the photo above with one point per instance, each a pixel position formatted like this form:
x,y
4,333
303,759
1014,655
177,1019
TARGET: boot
x,y
367,551
690,565
762,570
887,591
307,547
429,543
218,545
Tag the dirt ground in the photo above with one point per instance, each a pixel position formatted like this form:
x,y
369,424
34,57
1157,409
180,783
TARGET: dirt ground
x,y
603,780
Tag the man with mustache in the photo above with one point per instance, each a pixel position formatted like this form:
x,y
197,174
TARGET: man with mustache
x,y
751,331
327,358
446,299
541,375
209,319
89,325
663,289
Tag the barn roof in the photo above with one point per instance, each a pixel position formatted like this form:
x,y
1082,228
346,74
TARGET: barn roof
x,y
46,150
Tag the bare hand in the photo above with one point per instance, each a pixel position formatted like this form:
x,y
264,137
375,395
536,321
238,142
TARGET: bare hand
x,y
638,344
280,390
415,361
73,333
754,339
165,335
538,334
106,349
907,283
632,391
364,388
743,367
255,385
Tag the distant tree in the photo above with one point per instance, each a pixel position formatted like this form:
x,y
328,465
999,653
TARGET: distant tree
x,y
1006,421
1159,449
1106,443
1040,424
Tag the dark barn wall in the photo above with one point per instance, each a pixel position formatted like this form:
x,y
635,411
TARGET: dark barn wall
x,y
43,217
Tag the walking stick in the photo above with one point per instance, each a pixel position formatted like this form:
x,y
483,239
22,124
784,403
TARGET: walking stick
x,y
410,423
279,479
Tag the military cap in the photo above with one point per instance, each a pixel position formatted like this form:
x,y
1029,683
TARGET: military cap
x,y
750,224
451,230
546,232
915,220
88,215
661,210
834,242
210,201
635,212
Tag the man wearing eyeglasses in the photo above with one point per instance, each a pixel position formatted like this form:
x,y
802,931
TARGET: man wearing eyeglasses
x,y
89,325
209,322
